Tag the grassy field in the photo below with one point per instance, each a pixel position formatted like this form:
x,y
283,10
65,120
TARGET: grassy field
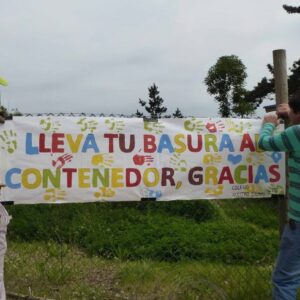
x,y
178,250
46,270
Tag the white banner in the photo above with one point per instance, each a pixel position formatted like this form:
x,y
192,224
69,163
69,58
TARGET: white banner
x,y
81,159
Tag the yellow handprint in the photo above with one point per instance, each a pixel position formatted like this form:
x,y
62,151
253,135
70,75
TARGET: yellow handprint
x,y
214,191
210,159
254,188
239,128
277,189
104,192
255,158
102,160
53,194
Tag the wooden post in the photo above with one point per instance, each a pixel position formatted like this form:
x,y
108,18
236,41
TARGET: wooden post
x,y
281,91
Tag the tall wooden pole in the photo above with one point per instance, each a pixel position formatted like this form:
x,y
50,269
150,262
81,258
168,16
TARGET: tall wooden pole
x,y
281,91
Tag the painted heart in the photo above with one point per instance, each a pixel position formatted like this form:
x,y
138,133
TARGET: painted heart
x,y
276,156
235,159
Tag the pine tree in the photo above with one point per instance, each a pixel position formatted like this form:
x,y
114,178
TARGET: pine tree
x,y
154,106
265,89
177,114
139,114
292,9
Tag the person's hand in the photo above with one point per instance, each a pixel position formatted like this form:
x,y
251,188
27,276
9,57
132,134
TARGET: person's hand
x,y
271,118
282,110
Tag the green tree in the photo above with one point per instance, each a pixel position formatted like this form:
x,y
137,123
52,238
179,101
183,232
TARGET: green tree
x,y
265,89
177,114
154,106
292,9
225,81
139,114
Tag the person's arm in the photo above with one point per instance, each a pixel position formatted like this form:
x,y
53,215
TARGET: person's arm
x,y
287,141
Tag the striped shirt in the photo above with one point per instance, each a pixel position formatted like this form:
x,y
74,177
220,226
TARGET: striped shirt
x,y
287,141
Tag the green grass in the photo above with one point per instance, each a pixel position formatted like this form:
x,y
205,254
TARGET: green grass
x,y
52,271
176,251
191,230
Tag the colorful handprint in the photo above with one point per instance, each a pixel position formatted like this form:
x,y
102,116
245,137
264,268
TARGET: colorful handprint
x,y
87,125
102,160
115,125
62,160
50,125
8,141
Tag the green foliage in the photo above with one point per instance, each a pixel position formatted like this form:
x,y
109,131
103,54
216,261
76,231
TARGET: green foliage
x,y
154,106
4,112
177,114
162,231
257,212
292,9
8,115
265,89
225,81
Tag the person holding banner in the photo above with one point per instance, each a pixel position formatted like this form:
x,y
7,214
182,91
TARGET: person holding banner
x,y
286,275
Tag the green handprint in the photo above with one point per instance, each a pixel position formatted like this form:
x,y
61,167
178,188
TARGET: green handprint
x,y
155,127
178,163
50,125
8,141
112,124
86,124
194,125
239,128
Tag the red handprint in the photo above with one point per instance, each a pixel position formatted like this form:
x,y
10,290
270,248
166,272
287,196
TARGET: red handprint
x,y
211,127
62,160
214,127
141,159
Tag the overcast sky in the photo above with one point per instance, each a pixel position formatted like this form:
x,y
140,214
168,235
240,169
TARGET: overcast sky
x,y
101,56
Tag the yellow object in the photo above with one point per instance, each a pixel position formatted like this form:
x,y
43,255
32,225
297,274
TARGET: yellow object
x,y
3,81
